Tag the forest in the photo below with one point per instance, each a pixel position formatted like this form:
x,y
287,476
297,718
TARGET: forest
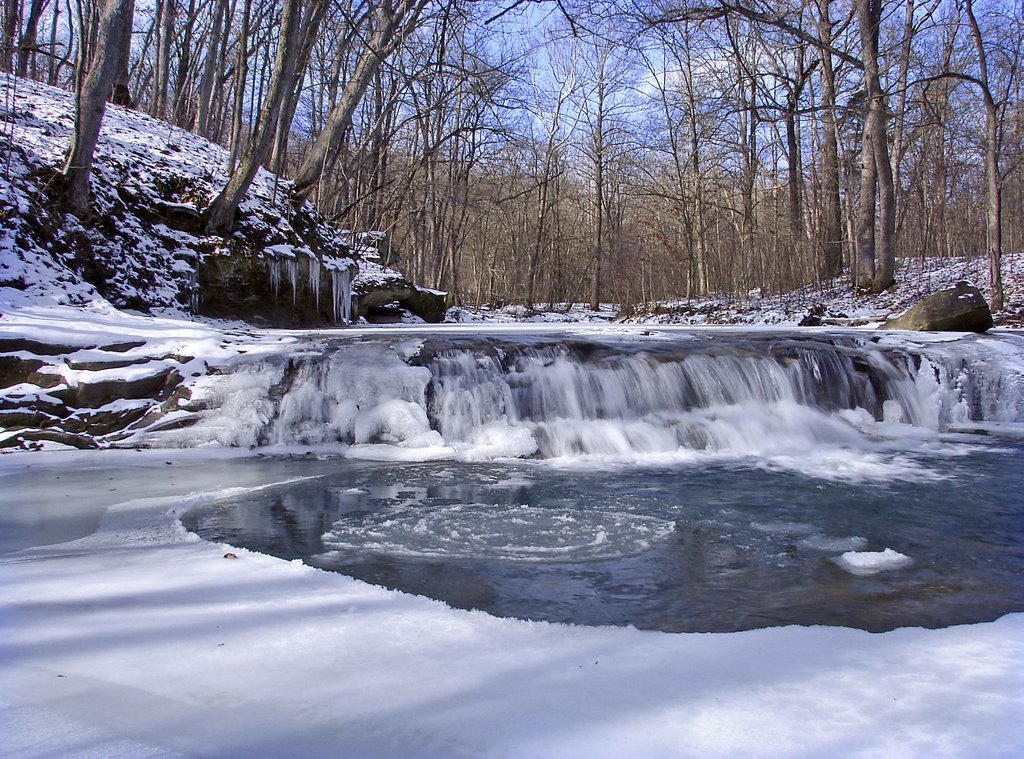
x,y
555,151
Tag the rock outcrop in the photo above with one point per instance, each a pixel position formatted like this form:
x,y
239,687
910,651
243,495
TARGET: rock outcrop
x,y
375,297
85,396
959,309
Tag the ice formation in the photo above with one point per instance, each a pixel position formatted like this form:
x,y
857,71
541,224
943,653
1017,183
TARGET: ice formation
x,y
785,400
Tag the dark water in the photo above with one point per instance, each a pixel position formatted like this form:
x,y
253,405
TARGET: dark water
x,y
688,547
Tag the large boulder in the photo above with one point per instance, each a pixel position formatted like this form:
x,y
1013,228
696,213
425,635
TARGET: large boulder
x,y
375,295
960,309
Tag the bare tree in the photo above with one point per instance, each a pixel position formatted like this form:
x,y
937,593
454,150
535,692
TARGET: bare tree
x,y
392,22
831,233
993,179
221,214
115,28
876,249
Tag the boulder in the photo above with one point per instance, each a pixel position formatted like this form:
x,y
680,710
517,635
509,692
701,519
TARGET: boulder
x,y
960,309
374,295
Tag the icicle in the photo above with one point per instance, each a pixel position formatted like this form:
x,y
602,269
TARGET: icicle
x,y
314,280
193,291
341,285
274,269
291,268
346,311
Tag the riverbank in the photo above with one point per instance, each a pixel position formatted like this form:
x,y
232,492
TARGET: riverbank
x,y
140,639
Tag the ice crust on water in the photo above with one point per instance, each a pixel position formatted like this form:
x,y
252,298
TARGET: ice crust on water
x,y
497,531
872,562
828,543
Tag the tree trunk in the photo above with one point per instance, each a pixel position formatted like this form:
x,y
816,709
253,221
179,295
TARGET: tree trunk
x,y
29,39
9,33
115,26
221,213
597,252
900,107
993,181
165,31
831,235
308,35
795,178
206,81
876,255
183,82
241,78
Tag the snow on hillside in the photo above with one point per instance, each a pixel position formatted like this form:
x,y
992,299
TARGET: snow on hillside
x,y
834,302
151,182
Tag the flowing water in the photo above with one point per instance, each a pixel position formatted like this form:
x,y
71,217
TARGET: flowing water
x,y
673,481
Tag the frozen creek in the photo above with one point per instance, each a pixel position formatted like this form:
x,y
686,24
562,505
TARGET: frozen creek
x,y
680,481
123,634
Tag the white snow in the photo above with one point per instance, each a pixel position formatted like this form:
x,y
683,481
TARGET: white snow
x,y
139,639
873,562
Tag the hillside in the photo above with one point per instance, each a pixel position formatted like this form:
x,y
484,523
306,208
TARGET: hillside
x,y
144,248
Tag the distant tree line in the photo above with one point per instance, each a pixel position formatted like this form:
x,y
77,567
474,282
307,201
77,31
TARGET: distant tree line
x,y
586,150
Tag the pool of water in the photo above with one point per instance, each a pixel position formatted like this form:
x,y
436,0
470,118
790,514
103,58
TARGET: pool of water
x,y
700,546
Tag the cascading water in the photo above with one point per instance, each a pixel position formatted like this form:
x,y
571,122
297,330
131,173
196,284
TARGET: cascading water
x,y
480,398
676,481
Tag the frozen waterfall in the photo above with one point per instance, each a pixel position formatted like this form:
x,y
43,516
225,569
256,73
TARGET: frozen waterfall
x,y
541,397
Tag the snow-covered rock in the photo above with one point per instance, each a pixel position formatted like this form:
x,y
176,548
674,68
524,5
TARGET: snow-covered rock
x,y
959,309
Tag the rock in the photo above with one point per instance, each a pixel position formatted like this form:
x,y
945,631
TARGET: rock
x,y
100,423
813,316
158,386
960,309
31,439
15,370
429,305
239,285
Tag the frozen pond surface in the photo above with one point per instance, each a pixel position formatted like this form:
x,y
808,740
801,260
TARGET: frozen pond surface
x,y
687,548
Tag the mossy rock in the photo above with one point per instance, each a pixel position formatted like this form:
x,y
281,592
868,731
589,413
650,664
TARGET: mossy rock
x,y
429,305
959,309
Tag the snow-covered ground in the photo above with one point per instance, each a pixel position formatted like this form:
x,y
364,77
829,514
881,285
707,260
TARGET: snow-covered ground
x,y
138,639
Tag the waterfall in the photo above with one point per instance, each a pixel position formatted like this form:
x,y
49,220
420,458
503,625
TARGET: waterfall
x,y
477,397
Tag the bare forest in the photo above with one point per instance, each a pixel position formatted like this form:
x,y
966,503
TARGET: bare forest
x,y
557,151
